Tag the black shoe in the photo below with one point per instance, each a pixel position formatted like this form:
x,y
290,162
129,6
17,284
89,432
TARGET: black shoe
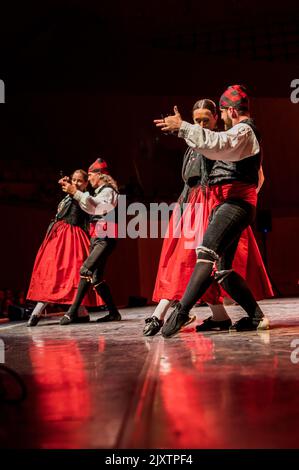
x,y
67,319
112,316
175,322
211,325
33,320
250,324
152,326
71,316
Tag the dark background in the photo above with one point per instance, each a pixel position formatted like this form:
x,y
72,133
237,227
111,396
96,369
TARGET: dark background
x,y
86,79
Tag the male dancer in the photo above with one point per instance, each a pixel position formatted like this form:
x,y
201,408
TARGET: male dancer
x,y
233,183
102,241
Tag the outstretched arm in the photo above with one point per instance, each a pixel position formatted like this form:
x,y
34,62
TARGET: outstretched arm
x,y
237,143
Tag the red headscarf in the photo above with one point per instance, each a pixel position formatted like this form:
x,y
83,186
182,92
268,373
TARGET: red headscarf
x,y
234,96
99,166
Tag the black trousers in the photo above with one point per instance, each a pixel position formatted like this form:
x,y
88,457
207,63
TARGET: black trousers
x,y
99,252
227,222
93,269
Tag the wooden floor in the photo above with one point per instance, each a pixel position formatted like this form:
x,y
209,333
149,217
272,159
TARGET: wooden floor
x,y
106,386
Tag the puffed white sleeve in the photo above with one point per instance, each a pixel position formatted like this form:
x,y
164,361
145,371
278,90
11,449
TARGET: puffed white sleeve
x,y
237,143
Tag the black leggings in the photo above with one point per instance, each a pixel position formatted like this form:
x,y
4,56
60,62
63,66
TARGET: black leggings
x,y
92,273
227,222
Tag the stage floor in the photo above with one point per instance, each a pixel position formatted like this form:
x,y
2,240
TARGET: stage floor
x,y
107,386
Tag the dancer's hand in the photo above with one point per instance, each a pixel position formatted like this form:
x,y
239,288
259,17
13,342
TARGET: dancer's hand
x,y
68,188
63,180
170,123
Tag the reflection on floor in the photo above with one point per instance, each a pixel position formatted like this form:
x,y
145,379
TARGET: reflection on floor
x,y
106,386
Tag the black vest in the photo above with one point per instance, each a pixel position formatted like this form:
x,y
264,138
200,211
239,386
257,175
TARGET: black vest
x,y
195,168
69,211
245,170
195,172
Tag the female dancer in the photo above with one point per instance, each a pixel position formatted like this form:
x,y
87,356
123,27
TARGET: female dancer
x,y
55,275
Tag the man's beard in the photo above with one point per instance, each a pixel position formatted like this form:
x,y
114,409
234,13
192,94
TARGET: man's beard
x,y
228,124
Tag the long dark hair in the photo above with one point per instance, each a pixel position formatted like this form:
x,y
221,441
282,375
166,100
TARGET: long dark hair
x,y
206,104
205,167
107,179
83,173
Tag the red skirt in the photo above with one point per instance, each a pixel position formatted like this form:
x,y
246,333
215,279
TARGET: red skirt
x,y
249,264
55,275
178,255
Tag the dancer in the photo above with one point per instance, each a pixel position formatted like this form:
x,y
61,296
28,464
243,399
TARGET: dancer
x,y
177,262
103,232
233,181
55,275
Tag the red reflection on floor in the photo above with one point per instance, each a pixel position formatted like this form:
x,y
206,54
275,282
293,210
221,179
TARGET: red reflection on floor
x,y
101,344
205,411
62,390
190,421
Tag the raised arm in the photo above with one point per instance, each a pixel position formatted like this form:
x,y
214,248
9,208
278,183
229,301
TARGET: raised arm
x,y
237,143
100,204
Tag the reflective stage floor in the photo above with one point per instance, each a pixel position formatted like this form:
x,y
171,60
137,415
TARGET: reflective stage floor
x,y
106,386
